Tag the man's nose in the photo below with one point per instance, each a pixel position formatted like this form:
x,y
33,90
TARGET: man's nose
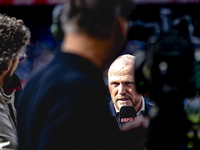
x,y
122,89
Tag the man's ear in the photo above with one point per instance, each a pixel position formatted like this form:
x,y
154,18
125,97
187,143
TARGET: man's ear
x,y
123,26
9,63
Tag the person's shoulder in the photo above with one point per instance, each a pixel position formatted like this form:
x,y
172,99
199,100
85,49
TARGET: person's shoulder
x,y
148,102
111,108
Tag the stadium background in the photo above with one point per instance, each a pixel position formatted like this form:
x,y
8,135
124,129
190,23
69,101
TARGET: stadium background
x,y
37,16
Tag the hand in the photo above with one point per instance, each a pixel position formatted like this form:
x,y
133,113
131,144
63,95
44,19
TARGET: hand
x,y
135,133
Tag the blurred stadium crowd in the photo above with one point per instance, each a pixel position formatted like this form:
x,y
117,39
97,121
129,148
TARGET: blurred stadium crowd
x,y
39,52
43,45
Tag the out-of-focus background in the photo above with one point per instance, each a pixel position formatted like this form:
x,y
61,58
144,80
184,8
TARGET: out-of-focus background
x,y
37,15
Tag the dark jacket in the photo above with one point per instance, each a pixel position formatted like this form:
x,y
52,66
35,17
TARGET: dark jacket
x,y
64,106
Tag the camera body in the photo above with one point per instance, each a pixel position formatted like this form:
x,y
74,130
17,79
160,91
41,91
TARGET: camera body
x,y
166,67
168,72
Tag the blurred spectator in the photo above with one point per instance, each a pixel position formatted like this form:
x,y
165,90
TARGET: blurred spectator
x,y
13,36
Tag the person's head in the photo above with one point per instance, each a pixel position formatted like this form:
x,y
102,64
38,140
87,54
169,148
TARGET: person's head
x,y
98,19
121,83
14,35
94,17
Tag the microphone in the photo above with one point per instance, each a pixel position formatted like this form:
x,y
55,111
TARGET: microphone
x,y
126,114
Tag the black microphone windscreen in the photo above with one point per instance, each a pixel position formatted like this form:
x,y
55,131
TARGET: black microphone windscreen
x,y
127,113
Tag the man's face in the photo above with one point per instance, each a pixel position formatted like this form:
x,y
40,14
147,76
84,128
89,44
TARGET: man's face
x,y
122,86
9,73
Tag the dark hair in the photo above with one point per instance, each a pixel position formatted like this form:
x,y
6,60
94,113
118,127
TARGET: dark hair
x,y
13,37
96,17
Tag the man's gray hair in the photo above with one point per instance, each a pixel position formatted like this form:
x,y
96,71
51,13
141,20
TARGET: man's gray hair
x,y
122,60
125,59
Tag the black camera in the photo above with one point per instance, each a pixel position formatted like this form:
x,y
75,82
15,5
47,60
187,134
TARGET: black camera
x,y
168,72
166,67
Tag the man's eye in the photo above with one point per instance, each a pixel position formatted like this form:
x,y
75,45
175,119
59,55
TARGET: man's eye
x,y
129,83
114,84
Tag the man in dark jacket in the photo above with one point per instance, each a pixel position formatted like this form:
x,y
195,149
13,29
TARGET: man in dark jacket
x,y
64,106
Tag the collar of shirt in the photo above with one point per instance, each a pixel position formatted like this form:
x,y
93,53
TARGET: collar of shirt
x,y
140,112
142,108
6,99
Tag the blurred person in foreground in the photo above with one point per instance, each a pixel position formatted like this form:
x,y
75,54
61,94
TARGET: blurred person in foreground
x,y
121,83
14,35
64,106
